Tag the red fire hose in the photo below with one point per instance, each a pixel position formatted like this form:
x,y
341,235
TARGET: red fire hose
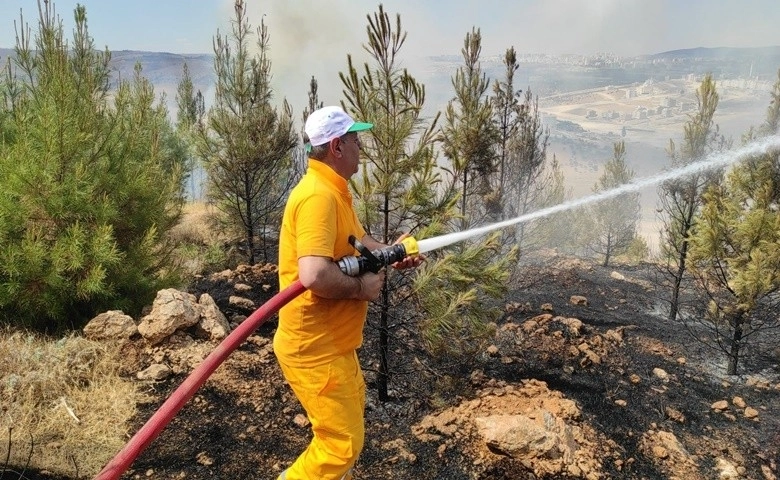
x,y
152,428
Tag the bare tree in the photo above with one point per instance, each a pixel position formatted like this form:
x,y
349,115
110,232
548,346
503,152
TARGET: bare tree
x,y
532,180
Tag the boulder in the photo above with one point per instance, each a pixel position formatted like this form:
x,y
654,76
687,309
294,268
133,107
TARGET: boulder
x,y
171,310
111,325
213,324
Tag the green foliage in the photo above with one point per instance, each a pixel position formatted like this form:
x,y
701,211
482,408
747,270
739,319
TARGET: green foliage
x,y
680,199
246,145
735,251
469,135
7,130
89,188
453,289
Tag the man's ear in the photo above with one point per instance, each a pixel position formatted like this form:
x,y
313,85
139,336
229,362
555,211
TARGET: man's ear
x,y
335,146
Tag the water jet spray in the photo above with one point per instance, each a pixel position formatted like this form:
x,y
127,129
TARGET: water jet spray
x,y
374,261
709,163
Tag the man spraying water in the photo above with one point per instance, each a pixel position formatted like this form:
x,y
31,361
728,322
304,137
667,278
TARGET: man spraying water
x,y
320,330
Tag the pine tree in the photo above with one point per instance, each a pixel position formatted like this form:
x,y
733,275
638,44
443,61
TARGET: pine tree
x,y
471,271
469,135
615,219
190,104
680,199
314,99
91,184
190,113
395,188
246,144
735,251
400,189
508,113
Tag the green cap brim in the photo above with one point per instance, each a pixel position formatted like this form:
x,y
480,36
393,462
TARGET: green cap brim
x,y
360,126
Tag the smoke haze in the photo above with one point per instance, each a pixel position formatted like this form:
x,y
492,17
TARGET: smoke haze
x,y
313,38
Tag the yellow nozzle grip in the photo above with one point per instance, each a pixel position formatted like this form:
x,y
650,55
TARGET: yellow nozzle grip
x,y
410,246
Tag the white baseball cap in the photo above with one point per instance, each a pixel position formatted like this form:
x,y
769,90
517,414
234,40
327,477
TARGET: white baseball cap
x,y
327,123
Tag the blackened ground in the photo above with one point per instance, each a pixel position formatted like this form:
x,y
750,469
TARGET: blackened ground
x,y
240,424
248,431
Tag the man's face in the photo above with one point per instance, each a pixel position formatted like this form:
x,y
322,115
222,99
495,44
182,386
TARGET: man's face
x,y
349,144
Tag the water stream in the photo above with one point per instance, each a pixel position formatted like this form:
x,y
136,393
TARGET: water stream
x,y
713,161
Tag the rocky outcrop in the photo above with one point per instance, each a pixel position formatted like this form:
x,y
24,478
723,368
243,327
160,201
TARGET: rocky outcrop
x,y
171,311
527,422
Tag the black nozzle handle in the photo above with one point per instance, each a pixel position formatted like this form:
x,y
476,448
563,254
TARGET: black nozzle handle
x,y
372,263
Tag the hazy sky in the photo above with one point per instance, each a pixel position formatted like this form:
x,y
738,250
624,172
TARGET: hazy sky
x,y
311,37
625,27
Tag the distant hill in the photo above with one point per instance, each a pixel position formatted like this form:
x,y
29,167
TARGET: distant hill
x,y
722,53
550,75
163,69
756,62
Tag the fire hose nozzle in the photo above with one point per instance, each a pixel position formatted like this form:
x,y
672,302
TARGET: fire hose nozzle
x,y
369,261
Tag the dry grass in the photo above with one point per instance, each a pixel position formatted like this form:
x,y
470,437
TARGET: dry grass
x,y
64,405
198,225
201,239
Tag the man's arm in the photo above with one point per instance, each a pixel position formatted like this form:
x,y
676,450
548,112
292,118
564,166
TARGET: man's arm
x,y
325,279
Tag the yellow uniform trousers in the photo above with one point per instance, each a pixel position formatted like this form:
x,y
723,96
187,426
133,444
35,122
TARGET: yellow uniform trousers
x,y
334,397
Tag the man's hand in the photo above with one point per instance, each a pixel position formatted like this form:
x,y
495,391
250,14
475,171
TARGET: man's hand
x,y
409,261
371,285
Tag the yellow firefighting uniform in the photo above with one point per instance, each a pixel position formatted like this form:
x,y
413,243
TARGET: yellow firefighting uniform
x,y
316,339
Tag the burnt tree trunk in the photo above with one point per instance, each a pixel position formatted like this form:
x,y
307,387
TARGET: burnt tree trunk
x,y
736,343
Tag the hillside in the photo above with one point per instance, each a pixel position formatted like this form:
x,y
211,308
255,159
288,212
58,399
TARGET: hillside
x,y
631,393
583,363
603,387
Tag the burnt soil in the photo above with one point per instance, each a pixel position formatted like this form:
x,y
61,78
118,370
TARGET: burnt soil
x,y
244,423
